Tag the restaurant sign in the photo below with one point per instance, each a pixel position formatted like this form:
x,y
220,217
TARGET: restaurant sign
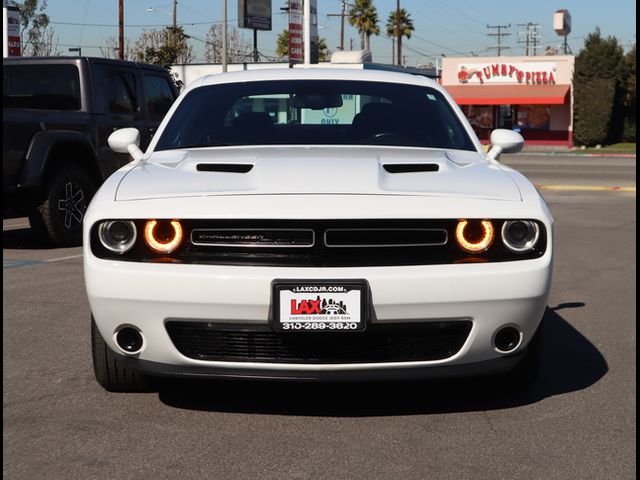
x,y
530,73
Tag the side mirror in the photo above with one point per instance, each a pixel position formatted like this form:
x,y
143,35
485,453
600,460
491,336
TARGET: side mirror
x,y
504,141
126,140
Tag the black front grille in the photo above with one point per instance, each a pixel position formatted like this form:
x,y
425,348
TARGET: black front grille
x,y
378,344
337,243
253,238
384,237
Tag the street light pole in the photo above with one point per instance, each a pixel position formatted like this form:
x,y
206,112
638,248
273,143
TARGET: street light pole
x,y
398,34
175,23
307,31
224,35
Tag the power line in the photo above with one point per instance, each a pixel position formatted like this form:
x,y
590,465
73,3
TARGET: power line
x,y
182,5
343,14
500,34
440,46
113,25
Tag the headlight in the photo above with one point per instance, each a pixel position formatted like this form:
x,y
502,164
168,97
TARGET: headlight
x,y
520,235
475,236
117,235
163,236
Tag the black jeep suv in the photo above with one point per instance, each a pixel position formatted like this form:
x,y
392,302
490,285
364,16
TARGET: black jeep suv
x,y
57,115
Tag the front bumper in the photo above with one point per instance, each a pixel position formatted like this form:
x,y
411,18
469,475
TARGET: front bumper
x,y
488,367
491,295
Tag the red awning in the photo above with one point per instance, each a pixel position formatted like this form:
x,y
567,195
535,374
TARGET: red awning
x,y
509,94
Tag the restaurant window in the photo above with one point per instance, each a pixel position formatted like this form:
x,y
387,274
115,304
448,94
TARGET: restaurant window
x,y
480,116
536,117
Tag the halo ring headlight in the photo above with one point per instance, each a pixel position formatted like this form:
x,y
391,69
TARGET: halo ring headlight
x,y
520,236
117,236
474,236
163,236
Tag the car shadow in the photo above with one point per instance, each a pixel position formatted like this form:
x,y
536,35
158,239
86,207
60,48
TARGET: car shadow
x,y
23,239
570,363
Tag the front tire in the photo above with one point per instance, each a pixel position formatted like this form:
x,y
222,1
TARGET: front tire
x,y
58,218
109,370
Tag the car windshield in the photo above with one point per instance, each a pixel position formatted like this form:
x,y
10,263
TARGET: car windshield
x,y
314,112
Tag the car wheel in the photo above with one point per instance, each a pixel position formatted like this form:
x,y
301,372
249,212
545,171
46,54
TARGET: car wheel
x,y
110,372
58,219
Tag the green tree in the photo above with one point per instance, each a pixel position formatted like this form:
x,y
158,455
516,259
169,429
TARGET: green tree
x,y
364,16
282,44
629,129
36,37
239,49
323,51
162,47
599,91
399,25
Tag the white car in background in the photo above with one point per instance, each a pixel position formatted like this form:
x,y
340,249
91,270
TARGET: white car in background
x,y
315,224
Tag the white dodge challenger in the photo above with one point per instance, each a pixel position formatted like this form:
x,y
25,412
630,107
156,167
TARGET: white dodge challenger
x,y
315,224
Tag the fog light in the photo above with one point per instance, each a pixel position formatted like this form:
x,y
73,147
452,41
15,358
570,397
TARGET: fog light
x,y
520,235
475,236
163,236
129,339
507,339
118,236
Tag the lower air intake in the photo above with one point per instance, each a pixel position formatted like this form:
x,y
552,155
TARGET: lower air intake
x,y
378,344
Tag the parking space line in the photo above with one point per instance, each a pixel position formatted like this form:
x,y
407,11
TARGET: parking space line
x,y
59,259
10,263
18,263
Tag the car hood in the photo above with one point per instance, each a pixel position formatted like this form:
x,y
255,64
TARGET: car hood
x,y
317,171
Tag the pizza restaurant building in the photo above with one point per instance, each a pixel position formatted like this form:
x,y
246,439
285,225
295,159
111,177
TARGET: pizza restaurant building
x,y
532,95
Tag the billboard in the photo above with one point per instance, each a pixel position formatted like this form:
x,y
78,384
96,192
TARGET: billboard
x,y
562,22
296,29
254,14
296,52
11,31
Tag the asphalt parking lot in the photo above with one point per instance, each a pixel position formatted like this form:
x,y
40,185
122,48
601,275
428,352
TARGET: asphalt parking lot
x,y
578,422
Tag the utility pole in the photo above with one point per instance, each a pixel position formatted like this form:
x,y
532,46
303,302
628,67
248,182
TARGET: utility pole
x,y
500,34
342,16
526,35
121,29
535,37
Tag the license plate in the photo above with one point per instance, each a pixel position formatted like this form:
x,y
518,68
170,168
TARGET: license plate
x,y
319,306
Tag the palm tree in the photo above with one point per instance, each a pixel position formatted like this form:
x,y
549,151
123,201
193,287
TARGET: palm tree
x,y
282,44
324,55
399,25
282,47
364,16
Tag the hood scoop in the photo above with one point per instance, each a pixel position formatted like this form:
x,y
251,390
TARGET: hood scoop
x,y
224,167
411,167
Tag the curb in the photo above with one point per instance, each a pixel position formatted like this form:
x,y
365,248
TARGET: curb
x,y
571,154
586,188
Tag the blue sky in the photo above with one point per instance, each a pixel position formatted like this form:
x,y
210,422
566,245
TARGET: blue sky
x,y
452,28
